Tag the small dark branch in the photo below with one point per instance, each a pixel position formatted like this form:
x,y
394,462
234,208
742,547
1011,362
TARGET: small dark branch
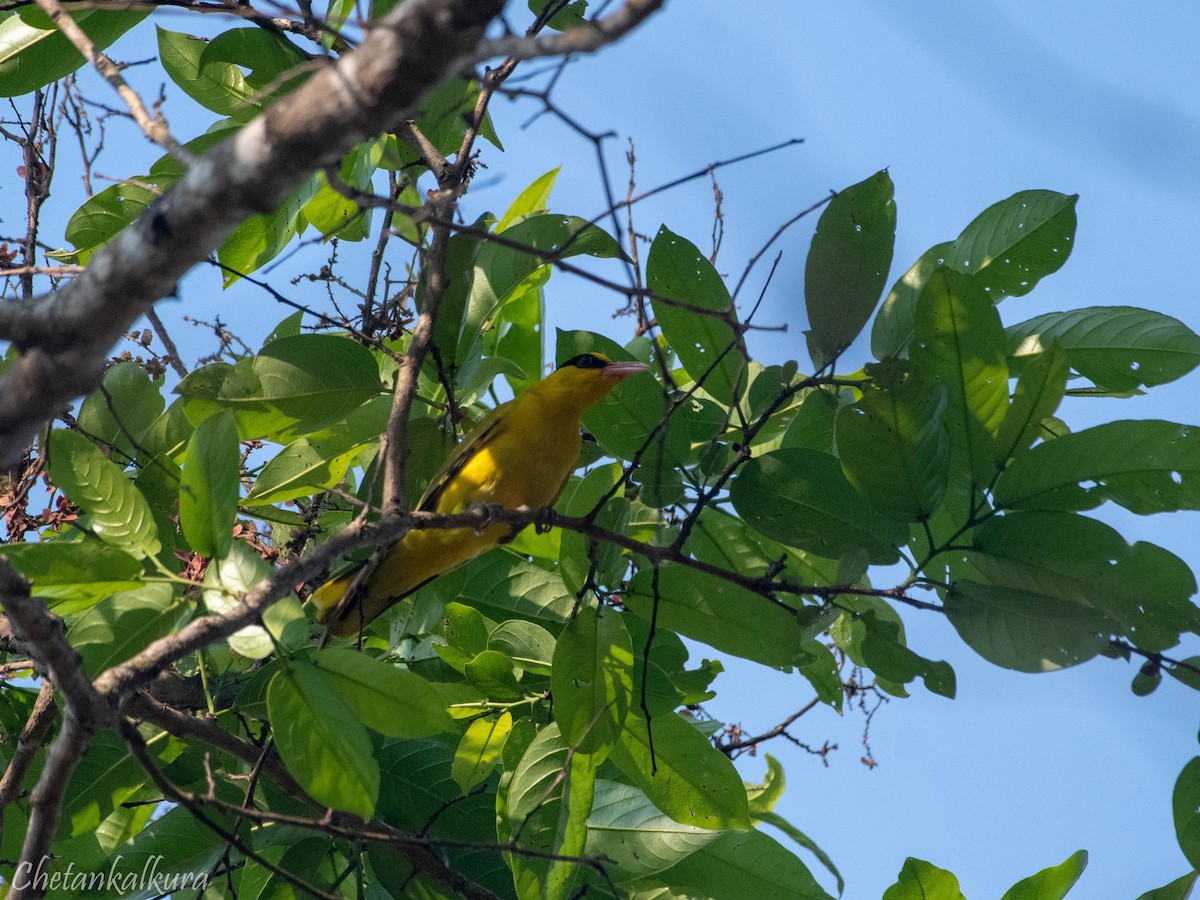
x,y
205,731
46,802
154,127
169,345
188,800
45,636
585,38
773,238
32,735
731,748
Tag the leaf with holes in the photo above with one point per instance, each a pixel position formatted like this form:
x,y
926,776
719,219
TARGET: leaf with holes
x,y
1147,466
848,264
1119,348
1025,630
696,315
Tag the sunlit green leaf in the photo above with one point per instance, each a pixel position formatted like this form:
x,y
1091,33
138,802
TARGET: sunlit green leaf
x,y
592,680
1118,347
1039,391
920,880
321,740
960,344
895,448
385,698
1146,466
479,750
208,493
34,53
743,865
117,512
1052,883
693,782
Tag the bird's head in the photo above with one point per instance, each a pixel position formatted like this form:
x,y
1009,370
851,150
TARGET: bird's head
x,y
586,379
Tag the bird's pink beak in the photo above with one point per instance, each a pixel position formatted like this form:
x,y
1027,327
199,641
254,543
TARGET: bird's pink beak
x,y
620,370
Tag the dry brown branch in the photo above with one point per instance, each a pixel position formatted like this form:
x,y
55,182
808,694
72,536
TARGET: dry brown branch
x,y
32,735
65,336
154,127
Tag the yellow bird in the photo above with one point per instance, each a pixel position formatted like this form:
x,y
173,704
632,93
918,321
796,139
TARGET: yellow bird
x,y
519,454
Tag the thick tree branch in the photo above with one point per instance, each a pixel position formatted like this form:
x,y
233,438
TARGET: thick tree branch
x,y
65,336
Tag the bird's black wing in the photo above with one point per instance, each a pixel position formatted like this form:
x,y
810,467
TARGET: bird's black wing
x,y
487,431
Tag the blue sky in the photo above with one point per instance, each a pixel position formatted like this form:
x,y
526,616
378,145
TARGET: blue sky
x,y
965,104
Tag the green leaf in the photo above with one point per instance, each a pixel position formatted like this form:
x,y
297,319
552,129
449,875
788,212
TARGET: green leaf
x,y
34,53
802,499
259,239
119,627
1023,630
1179,889
960,343
920,880
126,404
628,829
895,448
691,780
1008,249
1119,348
1053,883
208,493
501,586
580,557
210,73
385,698
1187,672
534,199
744,865
500,269
1069,557
1040,389
295,385
895,323
331,211
1146,466
80,571
527,644
227,578
696,315
592,680
885,653
569,15
106,777
1015,243
719,613
492,673
570,836
479,750
117,512
321,740
848,264
1185,802
177,847
444,112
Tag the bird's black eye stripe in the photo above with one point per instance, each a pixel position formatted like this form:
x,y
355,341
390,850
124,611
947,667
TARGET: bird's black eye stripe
x,y
585,361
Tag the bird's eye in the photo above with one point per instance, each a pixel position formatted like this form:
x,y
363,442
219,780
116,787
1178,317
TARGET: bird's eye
x,y
585,361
